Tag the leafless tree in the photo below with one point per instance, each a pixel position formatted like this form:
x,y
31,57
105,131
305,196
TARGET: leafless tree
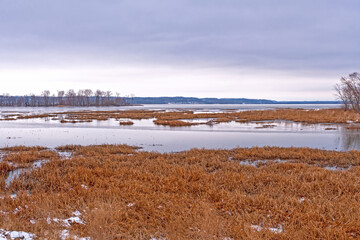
x,y
83,97
98,96
348,91
71,97
88,93
53,98
60,97
108,97
33,100
118,99
20,102
46,94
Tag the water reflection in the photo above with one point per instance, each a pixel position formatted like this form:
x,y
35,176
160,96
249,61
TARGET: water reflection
x,y
349,139
145,134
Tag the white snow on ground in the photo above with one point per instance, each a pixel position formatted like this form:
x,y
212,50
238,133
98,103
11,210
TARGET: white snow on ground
x,y
4,235
256,163
65,154
77,213
64,234
275,230
67,222
335,169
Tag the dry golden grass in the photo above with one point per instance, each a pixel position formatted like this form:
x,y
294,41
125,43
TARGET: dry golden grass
x,y
171,118
46,115
5,167
126,123
24,156
8,119
197,194
75,121
174,123
22,149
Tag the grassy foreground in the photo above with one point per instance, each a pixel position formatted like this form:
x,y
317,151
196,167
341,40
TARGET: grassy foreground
x,y
117,192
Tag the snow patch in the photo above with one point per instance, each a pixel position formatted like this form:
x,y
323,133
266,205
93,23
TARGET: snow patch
x,y
65,154
64,234
336,169
275,230
4,235
67,222
256,163
77,213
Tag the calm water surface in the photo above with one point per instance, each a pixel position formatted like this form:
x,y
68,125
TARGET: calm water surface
x,y
144,133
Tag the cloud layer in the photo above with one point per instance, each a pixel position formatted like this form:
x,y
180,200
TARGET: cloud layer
x,y
241,47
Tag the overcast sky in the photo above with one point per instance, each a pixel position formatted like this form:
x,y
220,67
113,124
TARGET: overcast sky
x,y
274,49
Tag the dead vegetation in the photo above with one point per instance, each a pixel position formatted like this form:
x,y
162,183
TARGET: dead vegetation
x,y
174,123
128,123
22,157
121,193
353,127
178,118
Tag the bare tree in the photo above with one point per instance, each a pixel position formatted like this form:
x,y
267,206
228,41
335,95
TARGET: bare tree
x,y
20,102
53,98
108,96
71,97
118,99
88,93
83,97
33,100
98,96
348,91
46,94
60,97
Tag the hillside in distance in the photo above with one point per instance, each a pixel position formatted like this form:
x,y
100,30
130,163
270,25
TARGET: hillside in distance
x,y
101,100
193,100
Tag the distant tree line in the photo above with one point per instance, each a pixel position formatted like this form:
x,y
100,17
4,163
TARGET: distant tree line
x,y
83,97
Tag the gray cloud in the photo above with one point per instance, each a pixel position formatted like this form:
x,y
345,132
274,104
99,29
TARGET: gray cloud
x,y
316,36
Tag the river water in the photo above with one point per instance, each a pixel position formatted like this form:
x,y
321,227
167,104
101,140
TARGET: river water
x,y
150,137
